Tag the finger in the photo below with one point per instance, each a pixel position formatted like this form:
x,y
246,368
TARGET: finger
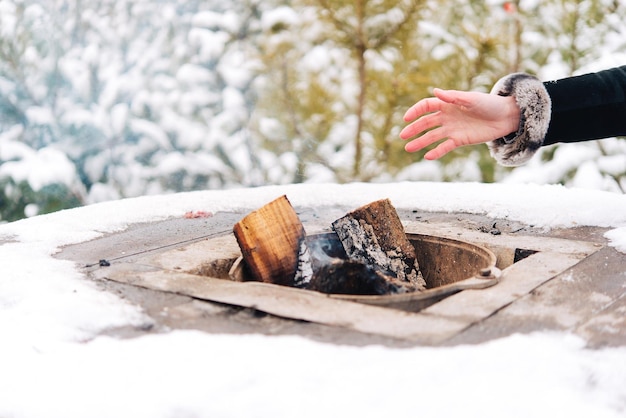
x,y
430,121
425,140
456,97
448,96
429,105
441,150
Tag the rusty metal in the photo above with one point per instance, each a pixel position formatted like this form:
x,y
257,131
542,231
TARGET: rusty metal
x,y
448,266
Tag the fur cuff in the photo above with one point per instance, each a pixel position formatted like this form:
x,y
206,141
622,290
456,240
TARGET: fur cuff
x,y
535,110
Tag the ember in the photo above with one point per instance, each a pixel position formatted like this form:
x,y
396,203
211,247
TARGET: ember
x,y
375,256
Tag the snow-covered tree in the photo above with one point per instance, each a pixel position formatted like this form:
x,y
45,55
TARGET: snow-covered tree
x,y
141,96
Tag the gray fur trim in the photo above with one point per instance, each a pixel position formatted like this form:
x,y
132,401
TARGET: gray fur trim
x,y
535,110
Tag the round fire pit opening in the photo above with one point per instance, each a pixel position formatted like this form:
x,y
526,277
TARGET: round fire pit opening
x,y
447,265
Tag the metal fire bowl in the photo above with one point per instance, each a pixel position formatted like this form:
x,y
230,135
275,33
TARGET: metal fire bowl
x,y
448,266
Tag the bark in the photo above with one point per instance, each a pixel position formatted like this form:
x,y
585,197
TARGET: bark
x,y
374,236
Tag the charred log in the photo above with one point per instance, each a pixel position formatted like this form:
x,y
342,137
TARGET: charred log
x,y
373,235
355,278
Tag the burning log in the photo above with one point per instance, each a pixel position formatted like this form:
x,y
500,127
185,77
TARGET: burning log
x,y
373,235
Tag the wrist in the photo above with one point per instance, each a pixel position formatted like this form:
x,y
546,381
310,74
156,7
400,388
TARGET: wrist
x,y
529,127
513,115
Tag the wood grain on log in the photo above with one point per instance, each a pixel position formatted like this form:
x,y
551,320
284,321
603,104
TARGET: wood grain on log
x,y
271,239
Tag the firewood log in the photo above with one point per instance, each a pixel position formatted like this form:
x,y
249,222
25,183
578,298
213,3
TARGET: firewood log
x,y
271,240
373,235
350,277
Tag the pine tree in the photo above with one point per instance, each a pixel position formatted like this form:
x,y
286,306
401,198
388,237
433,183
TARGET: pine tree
x,y
336,81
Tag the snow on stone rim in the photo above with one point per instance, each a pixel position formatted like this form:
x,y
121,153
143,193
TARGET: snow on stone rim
x,y
542,206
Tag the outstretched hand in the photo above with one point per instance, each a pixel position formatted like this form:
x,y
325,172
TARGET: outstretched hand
x,y
458,118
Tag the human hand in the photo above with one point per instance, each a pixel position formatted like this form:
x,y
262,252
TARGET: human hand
x,y
458,118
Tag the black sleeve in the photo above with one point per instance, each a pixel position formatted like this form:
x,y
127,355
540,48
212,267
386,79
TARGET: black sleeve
x,y
586,107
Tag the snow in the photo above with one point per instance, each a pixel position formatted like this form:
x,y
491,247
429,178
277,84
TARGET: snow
x,y
39,168
207,19
592,167
153,131
280,15
617,239
237,376
55,364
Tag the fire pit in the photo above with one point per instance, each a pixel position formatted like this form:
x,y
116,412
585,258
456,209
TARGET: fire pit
x,y
448,266
471,273
367,258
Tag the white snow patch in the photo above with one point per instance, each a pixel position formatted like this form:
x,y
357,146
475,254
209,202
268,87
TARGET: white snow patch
x,y
193,374
617,239
280,15
40,168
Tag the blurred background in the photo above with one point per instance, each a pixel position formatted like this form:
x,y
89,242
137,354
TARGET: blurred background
x,y
108,99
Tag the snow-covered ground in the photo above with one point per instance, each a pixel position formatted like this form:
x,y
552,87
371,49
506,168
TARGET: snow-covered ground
x,y
54,364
